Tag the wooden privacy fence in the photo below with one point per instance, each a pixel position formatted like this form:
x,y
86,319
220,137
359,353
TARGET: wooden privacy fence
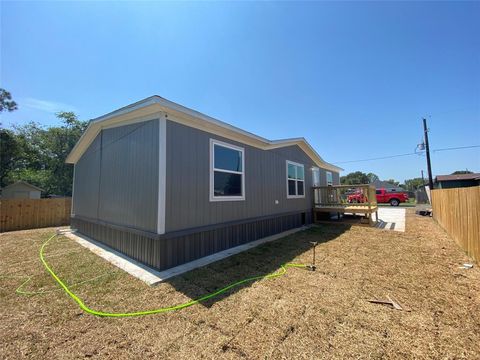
x,y
20,214
458,212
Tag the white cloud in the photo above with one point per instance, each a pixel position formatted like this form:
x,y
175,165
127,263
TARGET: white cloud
x,y
45,105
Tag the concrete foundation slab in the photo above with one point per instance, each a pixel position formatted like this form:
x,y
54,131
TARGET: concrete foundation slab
x,y
152,276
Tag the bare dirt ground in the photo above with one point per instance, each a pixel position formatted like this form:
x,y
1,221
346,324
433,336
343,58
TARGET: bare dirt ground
x,y
322,314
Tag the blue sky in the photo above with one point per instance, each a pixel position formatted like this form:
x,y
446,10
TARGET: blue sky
x,y
354,79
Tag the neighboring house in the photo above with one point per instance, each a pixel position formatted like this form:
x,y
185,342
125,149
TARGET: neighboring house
x,y
21,190
389,187
166,185
455,181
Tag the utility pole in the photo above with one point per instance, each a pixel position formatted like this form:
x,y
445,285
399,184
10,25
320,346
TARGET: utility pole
x,y
423,179
427,150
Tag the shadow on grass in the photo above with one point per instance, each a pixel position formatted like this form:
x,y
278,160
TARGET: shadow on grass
x,y
261,260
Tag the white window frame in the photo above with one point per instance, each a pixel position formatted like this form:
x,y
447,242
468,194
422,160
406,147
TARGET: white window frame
x,y
288,162
214,142
329,183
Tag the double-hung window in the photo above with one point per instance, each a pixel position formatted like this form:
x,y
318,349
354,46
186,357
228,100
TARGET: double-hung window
x,y
227,172
295,180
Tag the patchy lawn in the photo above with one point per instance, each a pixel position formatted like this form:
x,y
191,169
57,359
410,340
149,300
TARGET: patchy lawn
x,y
322,314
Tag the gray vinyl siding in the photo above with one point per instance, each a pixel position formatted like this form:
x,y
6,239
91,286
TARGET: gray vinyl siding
x,y
116,179
336,178
323,177
86,181
187,185
169,250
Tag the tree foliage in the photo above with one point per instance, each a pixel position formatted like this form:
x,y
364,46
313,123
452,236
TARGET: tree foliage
x,y
358,177
462,172
6,102
372,177
10,151
413,184
355,178
37,155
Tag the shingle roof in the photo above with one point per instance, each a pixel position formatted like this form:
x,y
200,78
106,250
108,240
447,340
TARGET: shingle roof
x,y
475,176
21,182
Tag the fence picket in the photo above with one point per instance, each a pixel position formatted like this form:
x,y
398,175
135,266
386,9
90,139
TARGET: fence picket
x,y
21,214
458,212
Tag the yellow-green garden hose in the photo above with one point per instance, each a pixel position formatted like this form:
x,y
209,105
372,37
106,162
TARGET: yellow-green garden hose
x,y
85,308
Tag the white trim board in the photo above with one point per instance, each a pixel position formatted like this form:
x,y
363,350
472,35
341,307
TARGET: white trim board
x,y
162,173
153,277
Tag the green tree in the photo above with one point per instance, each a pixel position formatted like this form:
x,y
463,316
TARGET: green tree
x,y
9,147
10,151
354,178
413,184
41,160
372,177
59,141
6,102
462,172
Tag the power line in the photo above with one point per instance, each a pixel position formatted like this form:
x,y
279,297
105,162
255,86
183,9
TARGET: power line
x,y
407,154
379,158
457,148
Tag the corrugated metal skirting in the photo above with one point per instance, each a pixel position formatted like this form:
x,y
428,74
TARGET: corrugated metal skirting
x,y
168,252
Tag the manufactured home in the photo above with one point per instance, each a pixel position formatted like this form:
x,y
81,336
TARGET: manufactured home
x,y
165,185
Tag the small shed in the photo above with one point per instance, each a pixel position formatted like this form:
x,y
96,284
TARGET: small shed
x,y
456,181
21,190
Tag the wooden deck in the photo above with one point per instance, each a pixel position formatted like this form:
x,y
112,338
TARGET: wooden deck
x,y
345,199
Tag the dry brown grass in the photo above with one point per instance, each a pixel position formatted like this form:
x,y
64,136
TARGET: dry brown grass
x,y
322,314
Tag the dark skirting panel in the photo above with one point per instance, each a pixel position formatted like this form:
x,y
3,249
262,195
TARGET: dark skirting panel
x,y
169,250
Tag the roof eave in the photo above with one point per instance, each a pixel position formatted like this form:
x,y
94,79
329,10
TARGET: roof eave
x,y
24,183
156,103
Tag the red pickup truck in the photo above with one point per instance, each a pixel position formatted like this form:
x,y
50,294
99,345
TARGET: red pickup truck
x,y
383,196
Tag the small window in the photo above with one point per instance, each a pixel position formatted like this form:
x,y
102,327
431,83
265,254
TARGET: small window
x,y
378,192
227,175
295,180
329,178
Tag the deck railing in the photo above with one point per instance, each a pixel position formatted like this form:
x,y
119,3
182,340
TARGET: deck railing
x,y
344,196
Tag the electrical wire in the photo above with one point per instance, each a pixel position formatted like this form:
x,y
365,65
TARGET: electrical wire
x,y
377,158
457,148
408,154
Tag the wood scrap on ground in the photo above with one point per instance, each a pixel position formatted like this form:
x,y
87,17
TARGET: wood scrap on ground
x,y
390,301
